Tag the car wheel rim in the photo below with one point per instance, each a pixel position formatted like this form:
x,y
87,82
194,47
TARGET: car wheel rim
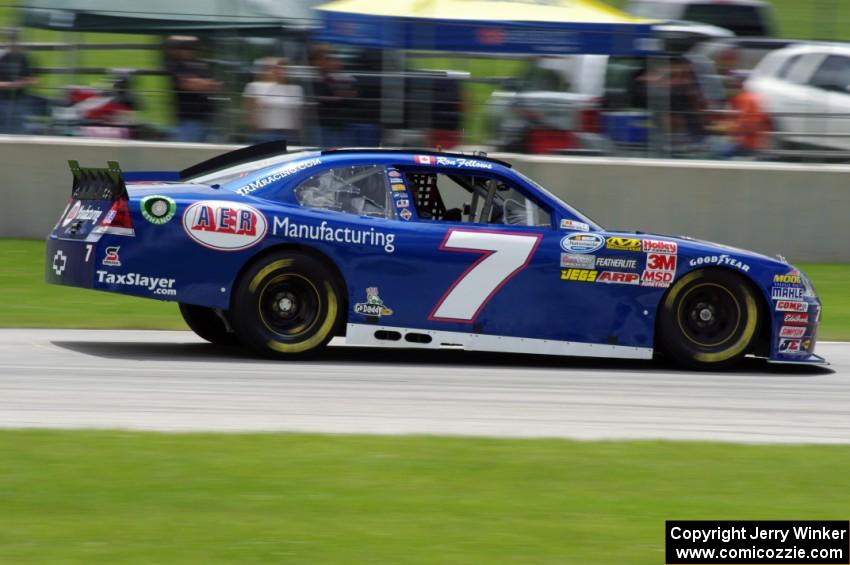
x,y
709,315
289,305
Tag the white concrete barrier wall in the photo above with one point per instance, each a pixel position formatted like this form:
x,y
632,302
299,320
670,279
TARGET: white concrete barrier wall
x,y
800,211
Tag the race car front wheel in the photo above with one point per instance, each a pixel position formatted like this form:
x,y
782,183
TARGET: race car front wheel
x,y
708,320
208,324
286,305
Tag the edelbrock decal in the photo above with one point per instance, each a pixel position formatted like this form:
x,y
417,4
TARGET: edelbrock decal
x,y
324,232
276,175
225,226
582,242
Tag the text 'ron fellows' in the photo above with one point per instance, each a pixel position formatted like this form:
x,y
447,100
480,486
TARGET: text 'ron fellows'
x,y
756,533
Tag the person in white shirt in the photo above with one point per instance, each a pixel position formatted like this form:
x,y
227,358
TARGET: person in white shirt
x,y
274,106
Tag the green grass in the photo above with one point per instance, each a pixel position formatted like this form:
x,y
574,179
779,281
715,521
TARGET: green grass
x,y
113,497
29,302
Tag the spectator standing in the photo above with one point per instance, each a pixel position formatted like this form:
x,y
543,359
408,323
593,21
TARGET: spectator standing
x,y
193,85
274,106
15,78
335,97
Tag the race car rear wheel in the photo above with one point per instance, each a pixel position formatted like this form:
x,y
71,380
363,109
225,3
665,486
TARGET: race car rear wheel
x,y
286,305
208,324
708,320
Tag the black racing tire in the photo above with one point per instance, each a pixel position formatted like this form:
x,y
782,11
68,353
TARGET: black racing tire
x,y
709,319
207,324
286,305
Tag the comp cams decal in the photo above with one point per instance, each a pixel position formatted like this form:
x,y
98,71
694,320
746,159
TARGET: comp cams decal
x,y
156,285
791,306
158,209
276,175
323,232
224,226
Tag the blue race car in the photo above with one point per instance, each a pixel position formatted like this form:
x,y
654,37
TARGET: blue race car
x,y
283,251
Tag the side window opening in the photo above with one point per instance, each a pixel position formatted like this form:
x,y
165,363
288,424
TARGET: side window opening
x,y
473,199
360,190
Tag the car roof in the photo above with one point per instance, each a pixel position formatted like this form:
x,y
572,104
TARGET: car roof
x,y
481,156
819,47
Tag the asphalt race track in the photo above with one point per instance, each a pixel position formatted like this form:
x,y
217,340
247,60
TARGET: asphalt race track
x,y
172,381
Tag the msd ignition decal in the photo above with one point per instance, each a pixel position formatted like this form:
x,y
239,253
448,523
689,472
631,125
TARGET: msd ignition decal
x,y
660,270
324,232
155,285
791,306
574,225
276,175
374,306
718,260
158,209
225,226
112,259
582,243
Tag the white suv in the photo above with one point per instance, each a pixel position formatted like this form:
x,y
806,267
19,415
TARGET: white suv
x,y
806,90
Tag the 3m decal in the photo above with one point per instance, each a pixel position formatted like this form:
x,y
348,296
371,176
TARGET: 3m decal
x,y
791,306
503,255
578,260
112,259
225,226
660,270
719,260
158,209
373,307
623,244
582,242
324,232
659,246
578,275
618,277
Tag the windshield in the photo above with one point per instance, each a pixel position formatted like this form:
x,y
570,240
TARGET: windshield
x,y
228,174
572,211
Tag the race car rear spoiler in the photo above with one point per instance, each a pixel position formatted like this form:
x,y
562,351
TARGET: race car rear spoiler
x,y
93,183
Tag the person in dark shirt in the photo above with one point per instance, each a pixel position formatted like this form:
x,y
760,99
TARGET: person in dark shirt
x,y
192,84
335,97
15,78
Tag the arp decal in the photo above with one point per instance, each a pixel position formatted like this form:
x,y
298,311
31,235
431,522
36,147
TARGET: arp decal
x,y
582,242
225,226
618,277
